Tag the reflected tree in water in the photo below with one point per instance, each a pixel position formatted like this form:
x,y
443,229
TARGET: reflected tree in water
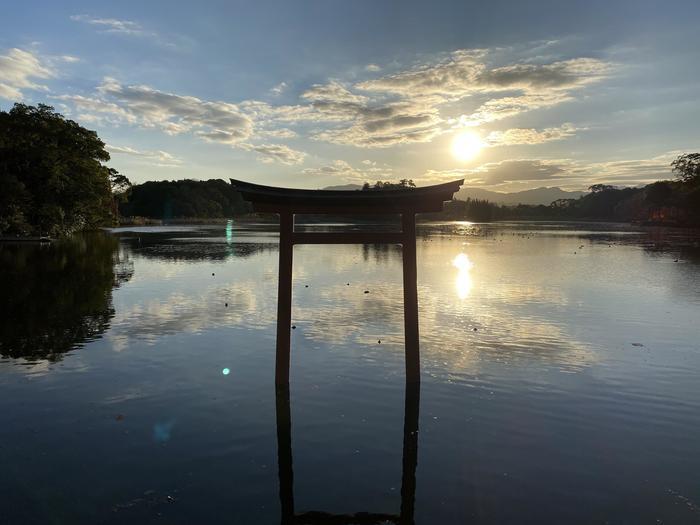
x,y
58,296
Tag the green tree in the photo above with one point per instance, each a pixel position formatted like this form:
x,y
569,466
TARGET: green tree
x,y
52,177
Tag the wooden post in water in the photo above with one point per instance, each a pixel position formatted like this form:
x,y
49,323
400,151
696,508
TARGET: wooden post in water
x,y
284,298
410,297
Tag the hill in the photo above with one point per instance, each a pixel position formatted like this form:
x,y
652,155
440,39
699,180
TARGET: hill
x,y
532,197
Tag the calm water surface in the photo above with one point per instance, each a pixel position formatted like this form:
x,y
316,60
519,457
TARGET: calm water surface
x,y
561,378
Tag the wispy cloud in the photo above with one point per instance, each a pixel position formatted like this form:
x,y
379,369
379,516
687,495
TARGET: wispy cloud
x,y
414,105
529,136
175,114
126,28
342,170
113,25
569,173
19,70
268,153
278,89
161,159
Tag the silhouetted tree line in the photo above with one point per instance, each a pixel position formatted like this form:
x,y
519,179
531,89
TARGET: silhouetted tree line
x,y
52,177
671,202
388,185
208,199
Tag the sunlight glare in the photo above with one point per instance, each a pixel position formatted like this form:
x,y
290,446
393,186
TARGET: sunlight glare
x,y
464,278
466,145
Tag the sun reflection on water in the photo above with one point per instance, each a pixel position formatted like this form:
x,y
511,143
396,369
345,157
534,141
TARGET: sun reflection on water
x,y
464,279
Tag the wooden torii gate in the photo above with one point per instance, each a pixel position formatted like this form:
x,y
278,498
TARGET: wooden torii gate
x,y
405,202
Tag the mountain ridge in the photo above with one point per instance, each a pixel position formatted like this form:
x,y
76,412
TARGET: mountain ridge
x,y
543,195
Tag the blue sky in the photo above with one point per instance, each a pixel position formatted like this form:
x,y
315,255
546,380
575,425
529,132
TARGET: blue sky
x,y
319,93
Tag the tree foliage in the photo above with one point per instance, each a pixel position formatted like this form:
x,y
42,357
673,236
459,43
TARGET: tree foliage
x,y
388,185
184,199
52,177
687,168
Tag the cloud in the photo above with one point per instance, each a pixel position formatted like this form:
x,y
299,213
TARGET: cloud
x,y
454,76
161,159
176,114
466,72
212,121
630,171
18,69
278,89
510,89
276,153
370,123
98,110
333,92
567,173
342,170
279,133
513,170
519,136
113,25
372,68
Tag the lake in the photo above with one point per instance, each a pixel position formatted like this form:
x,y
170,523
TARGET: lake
x,y
560,378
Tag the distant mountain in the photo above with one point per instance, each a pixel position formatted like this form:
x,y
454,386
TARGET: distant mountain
x,y
536,196
345,187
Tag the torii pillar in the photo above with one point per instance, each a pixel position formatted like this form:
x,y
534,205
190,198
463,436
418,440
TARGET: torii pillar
x,y
405,202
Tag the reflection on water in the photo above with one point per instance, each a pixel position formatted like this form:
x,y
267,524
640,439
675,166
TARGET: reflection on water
x,y
58,297
408,471
560,367
464,277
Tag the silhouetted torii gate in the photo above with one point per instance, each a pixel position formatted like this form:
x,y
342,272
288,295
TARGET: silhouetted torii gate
x,y
405,202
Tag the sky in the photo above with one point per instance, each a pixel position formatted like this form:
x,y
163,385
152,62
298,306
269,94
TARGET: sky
x,y
508,95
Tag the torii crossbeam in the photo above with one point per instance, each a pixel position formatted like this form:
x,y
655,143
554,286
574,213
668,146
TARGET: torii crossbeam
x,y
405,202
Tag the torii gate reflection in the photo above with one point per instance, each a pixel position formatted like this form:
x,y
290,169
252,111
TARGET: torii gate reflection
x,y
408,476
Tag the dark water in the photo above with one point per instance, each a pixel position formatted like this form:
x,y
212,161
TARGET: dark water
x,y
561,379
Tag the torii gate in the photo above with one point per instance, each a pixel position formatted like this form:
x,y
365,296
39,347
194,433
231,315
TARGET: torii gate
x,y
405,201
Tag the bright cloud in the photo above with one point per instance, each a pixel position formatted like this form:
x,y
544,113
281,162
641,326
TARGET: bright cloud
x,y
175,114
276,153
18,71
528,136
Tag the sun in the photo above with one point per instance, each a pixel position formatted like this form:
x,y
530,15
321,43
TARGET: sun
x,y
466,145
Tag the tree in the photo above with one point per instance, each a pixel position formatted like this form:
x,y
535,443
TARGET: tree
x,y
388,185
687,167
597,188
52,177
